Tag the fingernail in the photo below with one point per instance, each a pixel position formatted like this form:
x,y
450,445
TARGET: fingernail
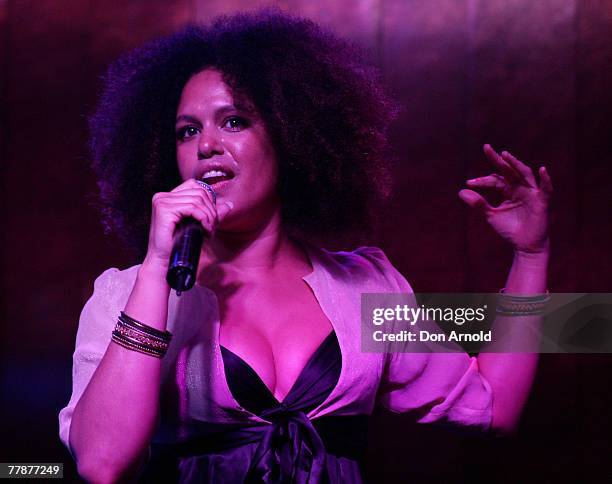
x,y
230,204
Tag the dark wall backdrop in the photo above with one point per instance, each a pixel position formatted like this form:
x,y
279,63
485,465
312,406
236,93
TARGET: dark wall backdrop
x,y
531,77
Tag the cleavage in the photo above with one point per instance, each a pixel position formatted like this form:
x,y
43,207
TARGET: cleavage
x,y
277,367
252,393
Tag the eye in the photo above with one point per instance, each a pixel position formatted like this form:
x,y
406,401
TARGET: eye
x,y
235,123
186,132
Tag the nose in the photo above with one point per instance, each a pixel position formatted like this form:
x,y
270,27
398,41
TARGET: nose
x,y
209,144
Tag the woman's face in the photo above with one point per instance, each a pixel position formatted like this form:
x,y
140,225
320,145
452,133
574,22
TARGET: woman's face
x,y
228,147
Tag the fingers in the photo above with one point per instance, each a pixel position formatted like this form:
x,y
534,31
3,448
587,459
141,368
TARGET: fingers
x,y
205,217
200,189
474,200
494,181
524,170
182,204
502,165
191,193
193,184
189,199
199,199
545,181
514,169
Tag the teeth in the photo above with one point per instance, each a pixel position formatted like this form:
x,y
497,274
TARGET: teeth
x,y
213,173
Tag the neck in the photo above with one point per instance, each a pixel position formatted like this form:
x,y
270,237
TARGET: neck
x,y
250,253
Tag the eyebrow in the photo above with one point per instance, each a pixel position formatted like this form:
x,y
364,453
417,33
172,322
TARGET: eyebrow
x,y
222,110
186,117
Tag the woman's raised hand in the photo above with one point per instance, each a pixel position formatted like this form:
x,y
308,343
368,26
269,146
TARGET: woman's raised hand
x,y
522,218
189,199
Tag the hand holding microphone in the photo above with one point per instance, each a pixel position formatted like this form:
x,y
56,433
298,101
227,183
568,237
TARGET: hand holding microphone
x,y
185,255
180,221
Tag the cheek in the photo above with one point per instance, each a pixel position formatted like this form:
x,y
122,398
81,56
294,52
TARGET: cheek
x,y
183,161
265,165
254,157
268,163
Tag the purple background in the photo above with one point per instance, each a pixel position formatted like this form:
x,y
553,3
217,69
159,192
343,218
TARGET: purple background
x,y
531,77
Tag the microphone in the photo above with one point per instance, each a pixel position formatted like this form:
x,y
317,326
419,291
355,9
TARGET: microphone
x,y
185,255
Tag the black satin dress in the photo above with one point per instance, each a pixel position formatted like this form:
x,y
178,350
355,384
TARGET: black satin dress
x,y
291,448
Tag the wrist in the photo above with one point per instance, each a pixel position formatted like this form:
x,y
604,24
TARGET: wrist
x,y
155,266
528,273
530,262
153,271
541,254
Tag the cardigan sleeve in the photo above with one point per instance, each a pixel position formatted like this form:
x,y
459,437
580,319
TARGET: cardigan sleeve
x,y
96,324
435,386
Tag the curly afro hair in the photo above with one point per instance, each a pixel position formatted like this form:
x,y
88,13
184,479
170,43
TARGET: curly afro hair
x,y
324,108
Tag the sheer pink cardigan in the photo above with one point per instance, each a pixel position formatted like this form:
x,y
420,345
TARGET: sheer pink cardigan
x,y
439,386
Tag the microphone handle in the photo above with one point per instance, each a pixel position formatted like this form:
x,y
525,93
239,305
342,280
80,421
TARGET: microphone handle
x,y
185,255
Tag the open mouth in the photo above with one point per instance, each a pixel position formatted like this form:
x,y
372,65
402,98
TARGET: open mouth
x,y
213,177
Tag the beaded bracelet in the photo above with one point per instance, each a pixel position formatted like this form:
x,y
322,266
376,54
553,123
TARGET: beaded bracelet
x,y
137,347
136,336
521,305
138,326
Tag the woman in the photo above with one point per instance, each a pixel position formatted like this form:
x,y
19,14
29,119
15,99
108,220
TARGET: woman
x,y
264,379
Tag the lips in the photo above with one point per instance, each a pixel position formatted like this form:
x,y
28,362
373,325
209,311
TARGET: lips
x,y
216,175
